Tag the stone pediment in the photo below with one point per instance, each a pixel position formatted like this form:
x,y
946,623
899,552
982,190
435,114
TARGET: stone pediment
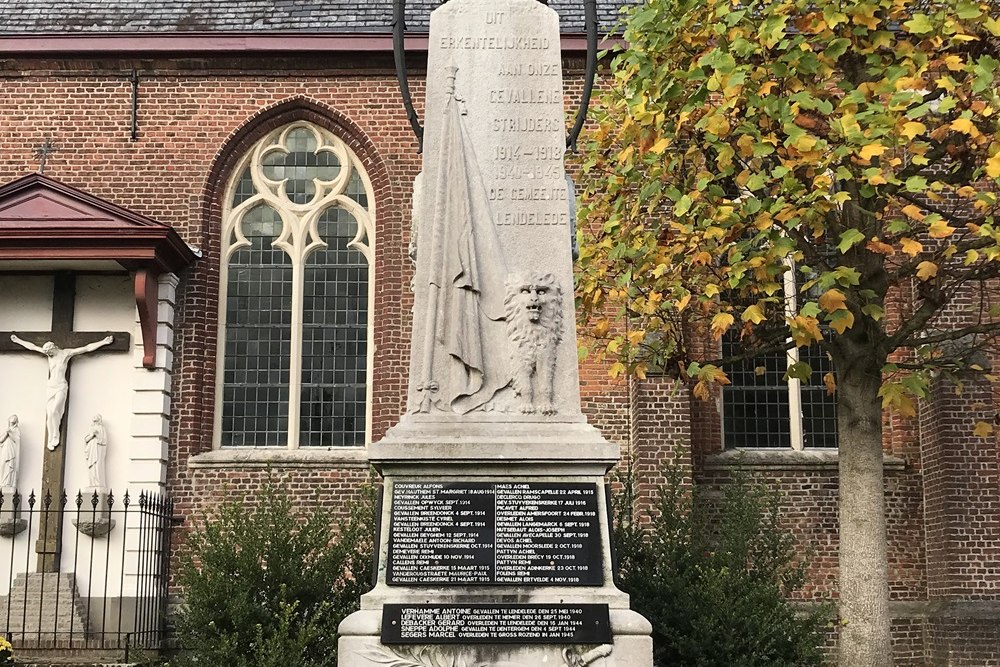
x,y
47,223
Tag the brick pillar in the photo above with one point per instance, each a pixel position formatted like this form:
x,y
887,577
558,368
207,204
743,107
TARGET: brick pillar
x,y
961,475
661,433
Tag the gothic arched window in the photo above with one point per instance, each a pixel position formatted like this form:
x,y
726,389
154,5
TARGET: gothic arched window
x,y
294,319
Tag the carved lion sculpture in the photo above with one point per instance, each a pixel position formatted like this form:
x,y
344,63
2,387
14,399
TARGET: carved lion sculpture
x,y
533,310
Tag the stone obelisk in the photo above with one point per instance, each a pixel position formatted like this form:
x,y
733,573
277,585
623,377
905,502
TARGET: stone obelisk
x,y
494,537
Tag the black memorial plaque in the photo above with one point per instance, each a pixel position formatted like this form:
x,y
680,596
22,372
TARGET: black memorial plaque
x,y
500,533
441,534
495,624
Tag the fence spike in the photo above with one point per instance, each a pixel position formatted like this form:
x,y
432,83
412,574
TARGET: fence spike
x,y
147,564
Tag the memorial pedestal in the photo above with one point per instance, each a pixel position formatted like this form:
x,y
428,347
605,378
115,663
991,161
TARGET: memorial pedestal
x,y
494,551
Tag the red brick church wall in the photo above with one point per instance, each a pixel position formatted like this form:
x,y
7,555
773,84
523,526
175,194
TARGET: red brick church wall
x,y
194,114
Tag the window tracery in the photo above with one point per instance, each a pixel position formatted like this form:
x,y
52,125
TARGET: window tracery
x,y
294,294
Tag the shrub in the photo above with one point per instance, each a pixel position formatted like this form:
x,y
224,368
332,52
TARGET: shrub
x,y
266,588
715,584
6,652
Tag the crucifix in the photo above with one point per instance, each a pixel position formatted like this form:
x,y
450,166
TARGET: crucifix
x,y
60,346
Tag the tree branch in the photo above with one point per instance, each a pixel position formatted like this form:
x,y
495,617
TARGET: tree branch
x,y
933,300
945,336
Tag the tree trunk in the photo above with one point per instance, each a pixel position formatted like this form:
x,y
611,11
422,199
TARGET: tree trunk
x,y
864,582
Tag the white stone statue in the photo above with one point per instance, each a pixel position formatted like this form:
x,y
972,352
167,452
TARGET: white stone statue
x,y
95,449
10,445
57,387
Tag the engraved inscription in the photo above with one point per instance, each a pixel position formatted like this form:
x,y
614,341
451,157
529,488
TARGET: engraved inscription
x,y
525,96
527,124
533,218
528,194
535,172
528,69
494,533
495,43
500,623
523,159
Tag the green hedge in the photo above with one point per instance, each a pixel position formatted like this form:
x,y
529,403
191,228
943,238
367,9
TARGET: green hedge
x,y
267,586
713,576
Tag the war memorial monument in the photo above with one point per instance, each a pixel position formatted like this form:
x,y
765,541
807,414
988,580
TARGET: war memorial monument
x,y
494,541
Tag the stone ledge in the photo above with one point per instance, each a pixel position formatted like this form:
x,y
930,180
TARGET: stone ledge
x,y
342,457
787,459
924,609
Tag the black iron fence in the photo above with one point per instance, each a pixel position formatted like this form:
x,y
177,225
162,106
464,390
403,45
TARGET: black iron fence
x,y
84,571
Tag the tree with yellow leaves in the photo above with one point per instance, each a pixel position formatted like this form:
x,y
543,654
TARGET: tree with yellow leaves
x,y
854,144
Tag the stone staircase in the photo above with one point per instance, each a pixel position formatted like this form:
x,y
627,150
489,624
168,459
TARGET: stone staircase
x,y
43,603
46,605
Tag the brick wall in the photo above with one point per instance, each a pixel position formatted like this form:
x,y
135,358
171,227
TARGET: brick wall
x,y
195,119
197,116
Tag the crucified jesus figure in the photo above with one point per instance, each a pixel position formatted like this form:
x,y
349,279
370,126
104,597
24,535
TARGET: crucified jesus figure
x,y
57,388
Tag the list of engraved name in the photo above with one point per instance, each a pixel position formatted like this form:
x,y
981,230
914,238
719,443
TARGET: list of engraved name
x,y
494,533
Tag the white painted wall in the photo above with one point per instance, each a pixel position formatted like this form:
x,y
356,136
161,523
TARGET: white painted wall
x,y
25,305
101,382
133,401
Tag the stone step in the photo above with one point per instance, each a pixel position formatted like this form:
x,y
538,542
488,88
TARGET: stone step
x,y
43,604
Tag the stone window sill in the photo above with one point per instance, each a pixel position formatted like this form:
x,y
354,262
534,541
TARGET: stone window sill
x,y
787,459
342,457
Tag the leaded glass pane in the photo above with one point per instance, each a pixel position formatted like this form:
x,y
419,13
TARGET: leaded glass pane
x,y
266,376
756,417
258,336
755,404
356,189
819,408
244,188
335,338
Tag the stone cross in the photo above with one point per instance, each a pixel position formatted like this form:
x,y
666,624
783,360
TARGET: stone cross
x,y
43,152
60,345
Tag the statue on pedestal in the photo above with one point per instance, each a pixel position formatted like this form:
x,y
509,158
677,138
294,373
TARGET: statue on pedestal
x,y
95,449
10,445
11,522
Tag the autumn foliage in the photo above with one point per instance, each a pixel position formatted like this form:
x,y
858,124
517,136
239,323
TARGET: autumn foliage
x,y
852,145
778,172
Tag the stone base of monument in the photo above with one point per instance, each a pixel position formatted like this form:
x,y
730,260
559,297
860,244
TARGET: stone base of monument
x,y
11,522
93,518
494,551
360,645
